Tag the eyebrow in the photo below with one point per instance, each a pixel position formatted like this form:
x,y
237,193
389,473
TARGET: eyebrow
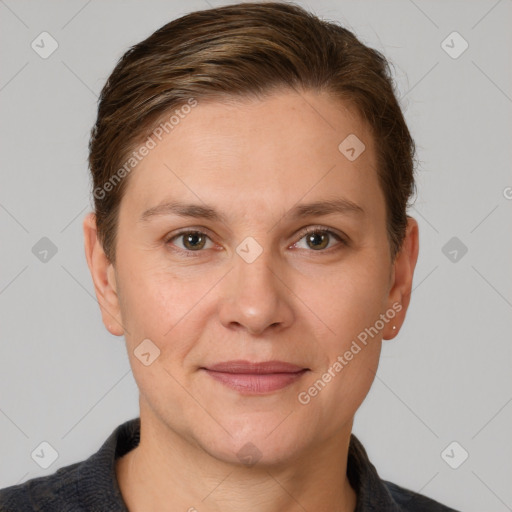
x,y
317,208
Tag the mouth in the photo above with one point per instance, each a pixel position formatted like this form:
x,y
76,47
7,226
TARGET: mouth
x,y
255,378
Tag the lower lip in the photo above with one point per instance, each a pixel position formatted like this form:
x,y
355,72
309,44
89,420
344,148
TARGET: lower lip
x,y
256,383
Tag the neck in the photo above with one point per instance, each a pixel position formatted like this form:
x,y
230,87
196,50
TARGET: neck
x,y
169,473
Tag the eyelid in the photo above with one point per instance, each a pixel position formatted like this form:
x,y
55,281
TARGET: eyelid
x,y
182,231
319,227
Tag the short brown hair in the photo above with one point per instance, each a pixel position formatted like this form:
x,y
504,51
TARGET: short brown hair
x,y
242,50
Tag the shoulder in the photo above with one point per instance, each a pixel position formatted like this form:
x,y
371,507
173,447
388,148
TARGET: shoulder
x,y
90,485
410,501
53,492
374,493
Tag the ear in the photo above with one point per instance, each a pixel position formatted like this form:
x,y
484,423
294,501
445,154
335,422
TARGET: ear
x,y
103,276
401,279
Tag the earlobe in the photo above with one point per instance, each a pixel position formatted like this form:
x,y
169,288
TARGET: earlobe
x,y
103,276
403,273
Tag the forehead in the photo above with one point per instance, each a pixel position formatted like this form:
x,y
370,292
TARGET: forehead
x,y
259,152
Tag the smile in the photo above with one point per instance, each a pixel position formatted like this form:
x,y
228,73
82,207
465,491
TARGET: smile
x,y
255,378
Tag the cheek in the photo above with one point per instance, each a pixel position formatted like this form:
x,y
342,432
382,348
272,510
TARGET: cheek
x,y
167,306
160,308
151,301
349,300
350,306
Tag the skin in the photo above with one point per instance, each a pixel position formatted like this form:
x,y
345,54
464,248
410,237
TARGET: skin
x,y
252,160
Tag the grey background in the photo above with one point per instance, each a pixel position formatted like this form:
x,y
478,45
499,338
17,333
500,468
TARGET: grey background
x,y
447,376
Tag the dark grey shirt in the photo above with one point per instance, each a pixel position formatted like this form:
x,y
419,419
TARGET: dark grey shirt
x,y
91,485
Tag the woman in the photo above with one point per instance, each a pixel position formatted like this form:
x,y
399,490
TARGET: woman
x,y
252,171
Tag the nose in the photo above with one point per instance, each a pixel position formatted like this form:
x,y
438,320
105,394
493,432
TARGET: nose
x,y
256,297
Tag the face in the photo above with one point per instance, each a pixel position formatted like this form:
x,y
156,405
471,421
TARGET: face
x,y
246,269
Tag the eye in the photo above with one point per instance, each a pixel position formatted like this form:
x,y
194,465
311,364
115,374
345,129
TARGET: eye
x,y
318,238
192,241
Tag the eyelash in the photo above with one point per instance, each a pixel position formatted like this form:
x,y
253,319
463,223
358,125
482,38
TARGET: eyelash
x,y
302,234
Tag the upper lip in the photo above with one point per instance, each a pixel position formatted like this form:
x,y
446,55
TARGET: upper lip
x,y
247,367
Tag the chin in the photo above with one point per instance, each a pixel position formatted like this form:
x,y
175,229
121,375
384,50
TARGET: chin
x,y
257,444
258,453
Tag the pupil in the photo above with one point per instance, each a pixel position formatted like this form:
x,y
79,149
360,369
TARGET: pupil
x,y
314,237
192,239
